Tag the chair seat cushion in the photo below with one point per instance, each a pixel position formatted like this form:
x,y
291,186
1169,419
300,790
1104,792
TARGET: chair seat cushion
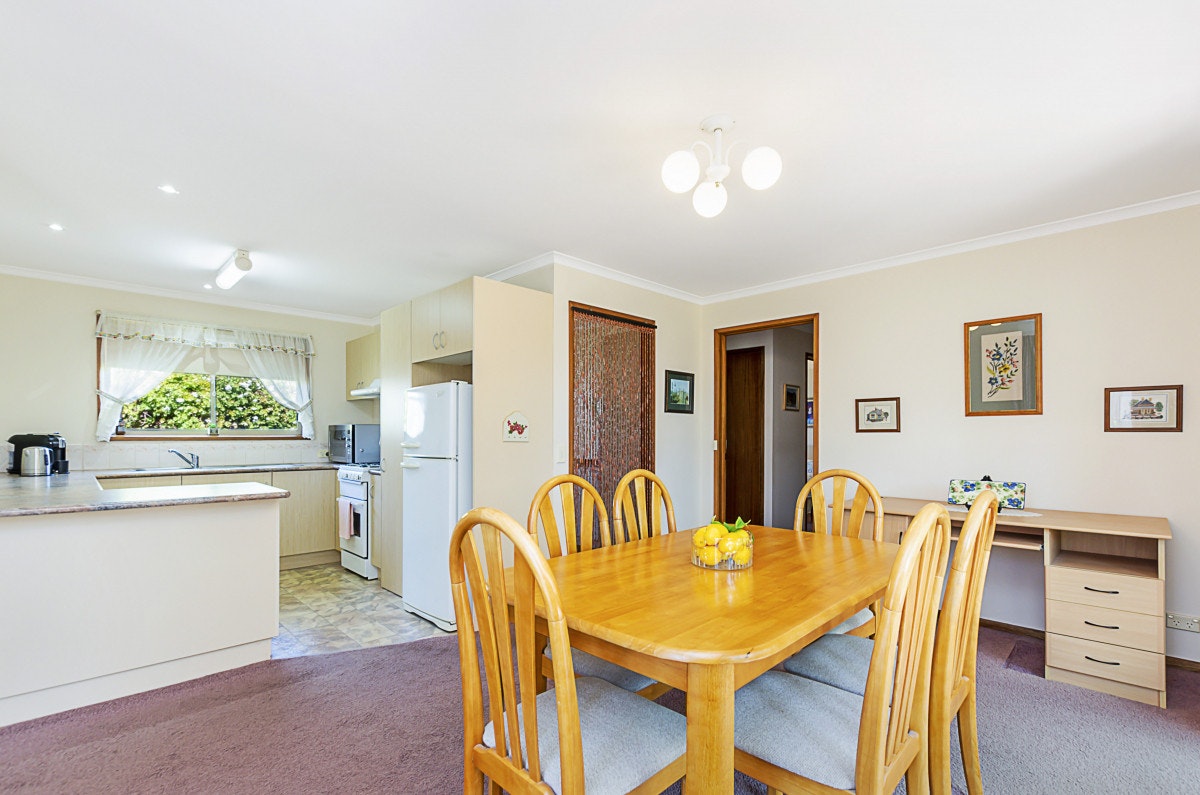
x,y
626,738
800,725
590,665
853,622
838,660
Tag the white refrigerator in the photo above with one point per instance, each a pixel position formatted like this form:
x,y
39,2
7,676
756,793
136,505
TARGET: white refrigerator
x,y
436,482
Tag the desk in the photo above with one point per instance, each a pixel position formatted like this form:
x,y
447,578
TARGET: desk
x,y
645,606
1105,579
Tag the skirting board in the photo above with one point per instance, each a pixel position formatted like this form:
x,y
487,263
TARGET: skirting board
x,y
310,559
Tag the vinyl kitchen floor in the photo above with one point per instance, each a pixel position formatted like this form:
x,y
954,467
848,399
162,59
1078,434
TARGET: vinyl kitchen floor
x,y
326,608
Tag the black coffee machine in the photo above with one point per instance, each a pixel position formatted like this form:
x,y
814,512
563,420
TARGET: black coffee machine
x,y
57,445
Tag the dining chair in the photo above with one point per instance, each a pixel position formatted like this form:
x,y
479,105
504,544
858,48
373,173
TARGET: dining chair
x,y
638,507
829,516
584,733
843,661
554,511
799,735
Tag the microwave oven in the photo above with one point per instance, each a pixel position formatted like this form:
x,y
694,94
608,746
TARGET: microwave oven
x,y
354,444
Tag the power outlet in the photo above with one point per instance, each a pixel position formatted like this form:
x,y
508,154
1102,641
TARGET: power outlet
x,y
1186,623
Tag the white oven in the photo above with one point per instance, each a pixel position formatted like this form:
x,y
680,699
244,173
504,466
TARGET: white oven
x,y
354,520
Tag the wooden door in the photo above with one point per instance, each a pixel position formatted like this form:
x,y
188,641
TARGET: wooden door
x,y
744,373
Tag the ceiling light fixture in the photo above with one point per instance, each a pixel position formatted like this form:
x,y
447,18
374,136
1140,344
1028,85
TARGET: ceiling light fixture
x,y
55,227
760,169
171,189
237,266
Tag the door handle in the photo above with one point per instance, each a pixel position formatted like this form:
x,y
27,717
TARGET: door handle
x,y
410,445
409,465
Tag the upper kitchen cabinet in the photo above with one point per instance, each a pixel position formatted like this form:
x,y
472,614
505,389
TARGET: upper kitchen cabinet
x,y
442,323
362,367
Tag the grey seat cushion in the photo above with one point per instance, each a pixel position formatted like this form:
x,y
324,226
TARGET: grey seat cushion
x,y
800,725
626,738
591,665
853,622
838,660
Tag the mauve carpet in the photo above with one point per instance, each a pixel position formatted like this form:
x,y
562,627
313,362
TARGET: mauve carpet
x,y
389,719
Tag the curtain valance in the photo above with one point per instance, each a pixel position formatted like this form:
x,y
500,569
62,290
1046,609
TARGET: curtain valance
x,y
201,335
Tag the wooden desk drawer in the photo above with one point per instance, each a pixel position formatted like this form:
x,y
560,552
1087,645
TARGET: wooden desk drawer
x,y
1119,627
1102,589
1134,666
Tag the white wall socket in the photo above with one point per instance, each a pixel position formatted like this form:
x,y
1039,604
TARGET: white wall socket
x,y
1180,621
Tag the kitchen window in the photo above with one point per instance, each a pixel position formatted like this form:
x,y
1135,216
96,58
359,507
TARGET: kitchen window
x,y
190,378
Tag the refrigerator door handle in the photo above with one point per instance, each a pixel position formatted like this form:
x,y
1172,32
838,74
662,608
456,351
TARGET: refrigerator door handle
x,y
406,464
410,445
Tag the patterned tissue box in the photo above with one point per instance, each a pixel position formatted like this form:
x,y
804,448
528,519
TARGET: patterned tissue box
x,y
1010,493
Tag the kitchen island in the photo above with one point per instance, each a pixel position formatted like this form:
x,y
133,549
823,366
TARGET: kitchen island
x,y
109,592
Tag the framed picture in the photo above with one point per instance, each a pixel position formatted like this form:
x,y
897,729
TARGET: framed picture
x,y
1002,364
877,415
791,397
677,394
1143,408
808,408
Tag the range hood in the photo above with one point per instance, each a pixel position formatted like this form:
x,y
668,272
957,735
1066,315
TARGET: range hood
x,y
367,391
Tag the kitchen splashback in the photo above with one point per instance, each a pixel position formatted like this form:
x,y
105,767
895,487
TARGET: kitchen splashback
x,y
153,454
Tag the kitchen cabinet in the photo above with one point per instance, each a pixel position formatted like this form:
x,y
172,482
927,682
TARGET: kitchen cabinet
x,y
307,520
226,477
148,481
362,365
395,364
442,322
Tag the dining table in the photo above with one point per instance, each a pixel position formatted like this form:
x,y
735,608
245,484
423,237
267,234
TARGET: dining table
x,y
646,606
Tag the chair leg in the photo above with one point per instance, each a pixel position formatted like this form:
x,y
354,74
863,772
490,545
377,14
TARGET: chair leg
x,y
968,736
916,778
939,757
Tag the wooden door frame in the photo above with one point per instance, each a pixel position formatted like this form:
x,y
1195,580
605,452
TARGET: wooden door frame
x,y
719,412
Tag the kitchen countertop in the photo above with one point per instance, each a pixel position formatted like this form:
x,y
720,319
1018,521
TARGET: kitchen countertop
x,y
80,492
207,470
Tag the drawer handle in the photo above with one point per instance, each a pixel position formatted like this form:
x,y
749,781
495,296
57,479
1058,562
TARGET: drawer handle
x,y
1102,662
1099,590
1099,626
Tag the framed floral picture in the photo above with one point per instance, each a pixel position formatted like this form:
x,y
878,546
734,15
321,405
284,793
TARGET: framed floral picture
x,y
1002,366
1143,408
877,414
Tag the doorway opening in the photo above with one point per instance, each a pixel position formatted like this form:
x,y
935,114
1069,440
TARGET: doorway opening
x,y
766,418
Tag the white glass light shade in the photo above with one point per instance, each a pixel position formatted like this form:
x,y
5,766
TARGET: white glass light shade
x,y
761,168
680,171
709,199
233,270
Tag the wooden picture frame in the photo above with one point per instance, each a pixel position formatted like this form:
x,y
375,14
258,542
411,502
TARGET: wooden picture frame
x,y
877,415
791,397
1002,366
679,391
1143,408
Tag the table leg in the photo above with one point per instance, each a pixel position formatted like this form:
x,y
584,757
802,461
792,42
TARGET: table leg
x,y
709,729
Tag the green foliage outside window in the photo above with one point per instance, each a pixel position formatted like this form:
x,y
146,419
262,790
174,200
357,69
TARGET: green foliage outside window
x,y
185,401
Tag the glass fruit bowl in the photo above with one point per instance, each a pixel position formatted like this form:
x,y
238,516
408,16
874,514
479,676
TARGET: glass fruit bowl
x,y
723,546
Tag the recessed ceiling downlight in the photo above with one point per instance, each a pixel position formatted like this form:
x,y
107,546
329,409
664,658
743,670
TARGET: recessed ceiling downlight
x,y
171,189
55,227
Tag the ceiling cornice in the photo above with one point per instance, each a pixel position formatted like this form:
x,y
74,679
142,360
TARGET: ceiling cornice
x,y
559,258
103,284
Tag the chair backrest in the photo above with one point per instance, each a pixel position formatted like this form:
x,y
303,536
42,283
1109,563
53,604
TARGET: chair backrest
x,y
570,525
479,581
895,712
638,507
830,516
958,623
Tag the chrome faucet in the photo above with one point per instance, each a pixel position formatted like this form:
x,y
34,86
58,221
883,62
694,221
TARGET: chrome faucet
x,y
192,459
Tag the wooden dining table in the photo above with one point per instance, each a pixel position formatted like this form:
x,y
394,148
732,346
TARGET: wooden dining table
x,y
644,605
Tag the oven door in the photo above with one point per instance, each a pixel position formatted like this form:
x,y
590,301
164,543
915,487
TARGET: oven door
x,y
354,532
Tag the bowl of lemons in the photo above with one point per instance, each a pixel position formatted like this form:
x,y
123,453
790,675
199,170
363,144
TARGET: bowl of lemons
x,y
724,546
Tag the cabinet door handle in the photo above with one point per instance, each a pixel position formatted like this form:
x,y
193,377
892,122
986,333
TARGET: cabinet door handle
x,y
435,342
1100,590
1102,662
1099,626
443,339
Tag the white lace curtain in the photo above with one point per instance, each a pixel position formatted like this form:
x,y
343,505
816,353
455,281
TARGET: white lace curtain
x,y
137,354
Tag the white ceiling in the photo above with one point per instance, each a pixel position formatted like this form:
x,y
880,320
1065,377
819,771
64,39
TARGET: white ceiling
x,y
366,152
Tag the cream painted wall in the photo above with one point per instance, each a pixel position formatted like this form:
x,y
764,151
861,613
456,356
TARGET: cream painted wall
x,y
1118,309
683,442
48,359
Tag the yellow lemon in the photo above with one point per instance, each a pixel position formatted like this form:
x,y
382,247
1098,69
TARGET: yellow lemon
x,y
716,532
740,534
742,556
730,544
709,556
700,537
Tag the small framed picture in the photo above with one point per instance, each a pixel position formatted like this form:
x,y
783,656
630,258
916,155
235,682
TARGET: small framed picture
x,y
1002,364
877,415
791,397
1143,408
808,408
677,393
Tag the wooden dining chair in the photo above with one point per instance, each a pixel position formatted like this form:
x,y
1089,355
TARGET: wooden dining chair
x,y
829,516
639,505
569,525
799,735
843,661
584,734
